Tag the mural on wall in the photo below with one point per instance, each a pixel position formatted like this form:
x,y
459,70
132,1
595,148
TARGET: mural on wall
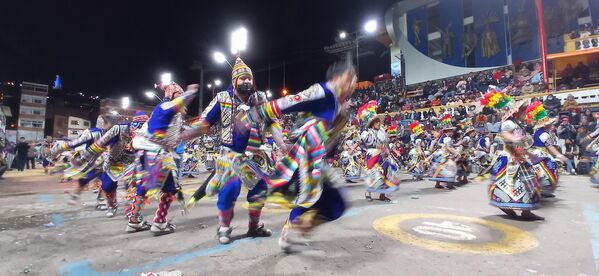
x,y
452,31
492,35
489,24
447,36
418,29
469,41
488,40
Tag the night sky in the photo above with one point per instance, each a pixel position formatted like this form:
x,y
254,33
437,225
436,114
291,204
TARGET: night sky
x,y
119,48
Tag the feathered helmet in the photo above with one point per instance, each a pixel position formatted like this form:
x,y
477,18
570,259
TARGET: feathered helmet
x,y
496,99
416,128
392,131
536,113
501,101
445,120
367,113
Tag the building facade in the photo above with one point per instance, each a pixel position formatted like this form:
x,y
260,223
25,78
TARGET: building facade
x,y
32,111
445,38
76,126
114,106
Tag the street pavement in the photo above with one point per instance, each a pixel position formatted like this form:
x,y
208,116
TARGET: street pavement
x,y
423,231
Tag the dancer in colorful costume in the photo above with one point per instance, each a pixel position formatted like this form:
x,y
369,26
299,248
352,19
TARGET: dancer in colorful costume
x,y
47,153
381,174
90,169
119,161
482,153
350,159
316,196
443,167
238,146
514,185
154,144
464,149
416,166
546,167
591,143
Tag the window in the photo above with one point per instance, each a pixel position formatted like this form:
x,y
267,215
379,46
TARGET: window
x,y
30,123
74,122
86,123
32,110
75,132
37,101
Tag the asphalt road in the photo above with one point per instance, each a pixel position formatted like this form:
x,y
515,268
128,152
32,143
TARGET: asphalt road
x,y
424,231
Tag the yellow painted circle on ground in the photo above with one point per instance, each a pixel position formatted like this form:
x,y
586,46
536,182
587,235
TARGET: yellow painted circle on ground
x,y
270,208
513,241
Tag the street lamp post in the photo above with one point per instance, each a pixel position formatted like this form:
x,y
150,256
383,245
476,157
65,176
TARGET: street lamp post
x,y
151,95
346,46
214,85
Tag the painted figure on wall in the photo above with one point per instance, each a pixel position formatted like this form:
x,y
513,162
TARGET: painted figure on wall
x,y
416,30
447,36
489,43
469,41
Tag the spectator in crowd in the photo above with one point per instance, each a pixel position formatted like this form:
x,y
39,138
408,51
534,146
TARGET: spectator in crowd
x,y
527,88
552,104
580,75
566,133
567,74
9,153
570,103
21,152
493,123
31,156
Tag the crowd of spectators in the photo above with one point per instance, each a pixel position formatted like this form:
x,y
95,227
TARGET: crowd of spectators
x,y
584,31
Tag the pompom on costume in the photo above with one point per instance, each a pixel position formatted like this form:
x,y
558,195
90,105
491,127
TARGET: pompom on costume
x,y
367,113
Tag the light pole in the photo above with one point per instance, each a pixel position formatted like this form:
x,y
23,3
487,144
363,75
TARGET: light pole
x,y
346,46
151,95
239,40
221,58
214,85
125,102
166,78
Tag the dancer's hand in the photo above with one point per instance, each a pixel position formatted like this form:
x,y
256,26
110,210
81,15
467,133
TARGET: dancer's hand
x,y
562,158
189,134
189,204
193,87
